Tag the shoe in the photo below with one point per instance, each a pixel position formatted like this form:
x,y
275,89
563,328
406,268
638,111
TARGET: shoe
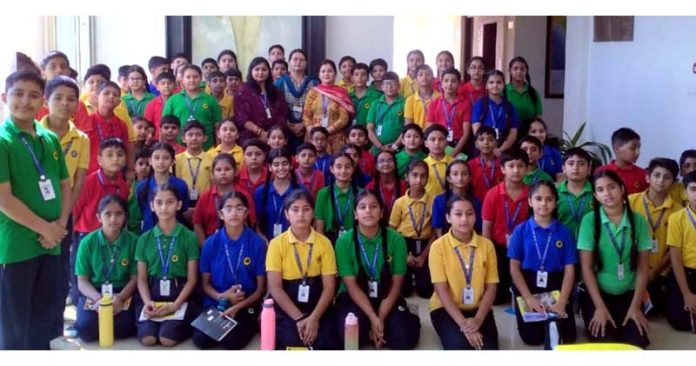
x,y
70,332
65,344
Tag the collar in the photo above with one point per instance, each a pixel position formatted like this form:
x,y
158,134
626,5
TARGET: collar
x,y
158,232
12,127
103,242
311,240
188,155
563,188
244,173
453,242
226,238
534,226
615,166
377,239
445,160
72,130
605,219
666,204
272,189
409,201
511,89
432,97
398,99
503,192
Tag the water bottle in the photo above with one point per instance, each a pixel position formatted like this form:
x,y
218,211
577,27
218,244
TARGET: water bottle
x,y
552,336
222,304
106,321
268,325
351,333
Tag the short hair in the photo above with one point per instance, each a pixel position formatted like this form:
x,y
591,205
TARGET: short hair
x,y
391,75
137,120
686,154
357,127
227,52
193,124
233,72
18,76
346,58
141,153
255,142
170,119
282,49
578,152
378,62
623,135
434,128
108,84
306,146
61,80
216,74
485,130
282,62
452,71
532,140
50,56
664,163
423,67
123,71
689,178
165,75
319,129
361,66
180,55
99,69
191,67
209,60
413,127
513,154
112,142
157,61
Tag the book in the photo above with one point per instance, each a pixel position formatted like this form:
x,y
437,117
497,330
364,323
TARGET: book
x,y
178,315
214,324
546,298
90,305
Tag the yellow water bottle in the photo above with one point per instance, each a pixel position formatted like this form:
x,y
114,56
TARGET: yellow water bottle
x,y
106,321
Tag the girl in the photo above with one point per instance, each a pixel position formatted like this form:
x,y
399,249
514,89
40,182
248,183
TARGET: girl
x,y
205,216
458,177
494,110
277,137
412,137
386,183
414,58
329,106
371,284
233,272
521,94
105,266
228,134
474,89
167,258
465,275
227,60
301,272
269,198
614,245
536,269
361,177
161,160
550,161
259,105
411,216
443,61
333,214
346,65
139,95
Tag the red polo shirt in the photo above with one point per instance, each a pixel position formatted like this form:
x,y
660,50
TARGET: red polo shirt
x,y
206,212
494,210
388,195
450,115
99,129
367,162
484,178
96,187
153,113
633,176
313,183
468,92
248,185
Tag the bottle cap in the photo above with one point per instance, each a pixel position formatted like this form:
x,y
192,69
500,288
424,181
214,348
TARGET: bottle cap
x,y
268,303
351,319
106,300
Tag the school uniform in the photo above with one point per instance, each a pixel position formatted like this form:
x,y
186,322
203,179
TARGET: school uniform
x,y
291,258
403,159
237,153
633,176
678,193
536,175
551,161
469,92
226,106
616,290
526,105
416,107
335,208
407,87
388,119
323,164
363,104
388,195
484,176
135,217
505,214
167,257
153,113
203,108
207,214
437,178
29,273
401,327
108,266
451,116
502,117
681,234
136,108
571,208
99,129
412,218
343,84
440,210
79,117
196,171
145,192
367,162
543,254
246,182
313,183
233,262
83,123
476,269
272,220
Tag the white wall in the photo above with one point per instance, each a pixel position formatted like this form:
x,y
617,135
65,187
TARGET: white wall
x,y
363,37
430,34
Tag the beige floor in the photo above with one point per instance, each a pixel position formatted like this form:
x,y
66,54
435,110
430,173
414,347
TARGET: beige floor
x,y
662,336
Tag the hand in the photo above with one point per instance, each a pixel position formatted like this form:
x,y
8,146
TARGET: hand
x,y
411,260
559,309
169,308
636,314
52,234
150,309
231,311
234,294
475,339
118,305
470,325
308,329
599,322
497,152
377,332
690,303
421,259
534,304
45,244
263,136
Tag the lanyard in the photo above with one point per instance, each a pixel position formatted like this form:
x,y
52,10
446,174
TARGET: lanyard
x,y
112,260
276,210
619,249
191,106
542,257
417,228
437,174
425,104
100,132
448,116
309,183
67,148
655,225
372,269
511,221
691,217
380,114
34,158
103,183
165,264
136,107
488,181
342,217
194,176
577,215
500,113
468,270
234,271
299,263
325,105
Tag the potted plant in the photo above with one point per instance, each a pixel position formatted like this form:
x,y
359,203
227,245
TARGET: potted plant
x,y
600,153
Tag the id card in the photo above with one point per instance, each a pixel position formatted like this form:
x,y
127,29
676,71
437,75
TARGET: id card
x,y
468,296
378,130
653,249
341,232
620,271
418,246
303,293
47,191
325,121
107,289
372,289
297,109
165,287
277,229
193,194
450,136
268,113
542,279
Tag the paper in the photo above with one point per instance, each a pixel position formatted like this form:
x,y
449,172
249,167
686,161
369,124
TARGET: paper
x,y
178,315
546,298
90,305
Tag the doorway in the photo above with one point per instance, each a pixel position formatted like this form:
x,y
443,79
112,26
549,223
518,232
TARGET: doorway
x,y
490,37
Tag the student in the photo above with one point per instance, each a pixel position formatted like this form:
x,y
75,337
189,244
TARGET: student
x,y
227,60
217,81
464,272
165,84
371,262
687,164
656,206
277,137
144,132
450,111
167,258
474,89
412,137
386,182
33,216
533,147
362,96
485,169
253,173
123,78
138,96
308,176
443,61
54,64
496,111
328,106
575,193
206,215
435,141
94,78
357,134
535,269
278,69
614,243
259,105
319,136
459,178
179,72
208,66
681,239
276,52
180,59
233,78
333,216
158,65
551,161
626,145
301,272
408,84
522,94
161,160
141,172
361,178
228,134
504,207
385,120
346,66
233,268
194,166
378,69
105,266
416,107
170,131
411,216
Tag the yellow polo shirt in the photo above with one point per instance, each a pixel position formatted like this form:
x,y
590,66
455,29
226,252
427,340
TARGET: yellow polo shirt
x,y
281,256
75,145
681,234
678,193
436,174
400,218
204,173
408,87
237,153
417,109
669,206
120,111
227,107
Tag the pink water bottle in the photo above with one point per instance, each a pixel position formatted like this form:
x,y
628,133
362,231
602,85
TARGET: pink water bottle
x,y
268,326
351,333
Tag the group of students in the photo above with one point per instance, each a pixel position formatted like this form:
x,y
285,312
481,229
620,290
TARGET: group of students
x,y
330,203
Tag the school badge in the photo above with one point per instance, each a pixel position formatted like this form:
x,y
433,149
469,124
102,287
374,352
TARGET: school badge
x,y
74,154
205,105
247,261
367,105
124,262
55,155
559,244
175,258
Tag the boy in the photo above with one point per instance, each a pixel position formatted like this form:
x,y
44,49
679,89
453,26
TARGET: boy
x,y
254,172
142,164
416,109
209,65
435,141
123,78
142,128
533,147
307,174
157,66
278,69
165,83
361,95
575,193
386,117
218,83
142,172
194,166
451,111
378,68
178,60
94,77
687,164
54,64
485,168
234,83
227,132
319,137
276,52
413,148
170,131
357,134
504,207
656,205
626,145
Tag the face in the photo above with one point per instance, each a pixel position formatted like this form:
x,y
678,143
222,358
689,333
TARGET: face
x,y
443,62
62,103
92,84
207,68
140,128
228,132
390,87
166,87
298,62
136,81
260,73
514,170
532,151
276,54
142,168
347,69
542,201
368,211
123,83
495,85
608,192
254,157
385,163
112,159
319,141
158,70
277,139
424,77
168,132
628,152
233,83
688,166
150,137
233,212
436,142
218,84
461,217
192,80
576,168
178,62
279,70
691,194
57,66
306,158
223,173
360,77
476,70
342,169
109,98
412,140
112,217
449,83
161,161
459,176
280,167
413,61
194,138
357,137
353,155
660,179
227,62
300,214
485,143
418,177
378,72
518,71
537,130
327,74
165,205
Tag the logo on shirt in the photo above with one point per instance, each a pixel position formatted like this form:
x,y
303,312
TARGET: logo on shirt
x,y
247,261
124,262
73,154
559,244
175,258
367,105
389,258
55,156
205,105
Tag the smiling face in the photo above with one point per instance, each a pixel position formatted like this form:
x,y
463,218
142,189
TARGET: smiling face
x,y
542,201
327,74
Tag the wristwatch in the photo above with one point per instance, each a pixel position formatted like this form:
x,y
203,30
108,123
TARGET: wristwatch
x,y
395,146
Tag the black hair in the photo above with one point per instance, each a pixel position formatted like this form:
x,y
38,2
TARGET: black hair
x,y
256,143
456,198
98,69
113,198
357,127
281,61
227,196
108,84
452,71
216,74
123,71
233,72
165,187
50,56
623,136
395,176
170,119
157,61
514,153
434,128
193,124
423,67
112,142
686,154
532,140
209,60
141,71
180,55
278,128
471,61
272,155
356,171
391,75
282,49
58,81
414,127
664,163
532,92
417,52
353,185
552,187
507,107
296,195
306,146
330,63
188,67
145,193
224,157
362,66
165,75
319,129
445,52
271,90
347,58
689,178
142,153
297,50
18,76
227,120
485,130
378,62
227,52
579,152
448,186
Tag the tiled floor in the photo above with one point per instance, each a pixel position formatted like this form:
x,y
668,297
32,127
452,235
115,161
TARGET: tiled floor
x,y
662,336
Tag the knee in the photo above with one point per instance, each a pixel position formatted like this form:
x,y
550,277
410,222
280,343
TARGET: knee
x,y
166,342
148,341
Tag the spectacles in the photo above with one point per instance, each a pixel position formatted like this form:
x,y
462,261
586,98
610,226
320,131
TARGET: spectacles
x,y
234,209
385,162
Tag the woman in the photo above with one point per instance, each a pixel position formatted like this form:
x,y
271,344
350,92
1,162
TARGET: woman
x,y
295,86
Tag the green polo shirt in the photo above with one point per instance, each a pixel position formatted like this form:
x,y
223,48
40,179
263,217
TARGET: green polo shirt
x,y
136,108
571,208
347,261
536,175
362,105
203,108
390,117
607,276
324,208
403,158
17,242
525,107
185,250
94,258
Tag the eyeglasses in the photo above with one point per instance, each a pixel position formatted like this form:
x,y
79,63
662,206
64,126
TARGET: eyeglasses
x,y
385,162
234,209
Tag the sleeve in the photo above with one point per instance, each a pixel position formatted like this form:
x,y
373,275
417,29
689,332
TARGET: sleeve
x,y
586,233
274,259
516,245
204,264
134,214
199,213
488,211
140,247
371,118
83,265
328,260
492,267
149,113
538,106
476,112
4,162
409,107
308,109
345,257
184,191
395,217
432,115
570,254
258,198
514,117
133,241
85,196
260,269
438,220
62,167
436,262
168,106
399,254
215,110
675,232
192,251
320,205
252,206
642,232
83,153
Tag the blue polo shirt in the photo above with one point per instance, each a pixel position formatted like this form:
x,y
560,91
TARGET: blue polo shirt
x,y
439,221
149,217
214,261
272,212
561,250
551,162
495,116
323,164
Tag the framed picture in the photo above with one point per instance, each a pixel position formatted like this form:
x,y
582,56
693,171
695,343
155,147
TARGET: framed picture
x,y
555,57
